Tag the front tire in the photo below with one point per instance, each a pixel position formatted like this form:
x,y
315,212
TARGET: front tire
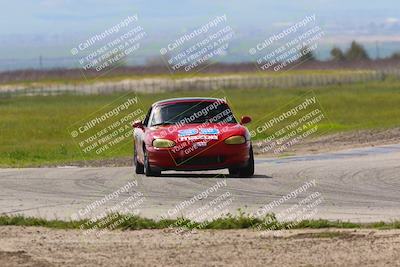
x,y
246,171
148,171
139,168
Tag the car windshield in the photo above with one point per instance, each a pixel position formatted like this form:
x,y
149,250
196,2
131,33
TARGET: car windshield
x,y
192,112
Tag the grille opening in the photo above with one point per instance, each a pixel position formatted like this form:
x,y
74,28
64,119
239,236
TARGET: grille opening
x,y
200,160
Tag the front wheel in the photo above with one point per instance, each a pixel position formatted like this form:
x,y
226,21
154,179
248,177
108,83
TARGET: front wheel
x,y
246,171
148,171
139,168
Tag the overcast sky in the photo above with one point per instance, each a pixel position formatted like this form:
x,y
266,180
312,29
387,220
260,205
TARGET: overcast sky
x,y
82,16
31,29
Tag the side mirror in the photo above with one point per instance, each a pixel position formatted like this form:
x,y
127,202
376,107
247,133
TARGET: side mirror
x,y
245,120
137,124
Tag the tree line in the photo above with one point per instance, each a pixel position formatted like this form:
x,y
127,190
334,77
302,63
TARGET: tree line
x,y
355,52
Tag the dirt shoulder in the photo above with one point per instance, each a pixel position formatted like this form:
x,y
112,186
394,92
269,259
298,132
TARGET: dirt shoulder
x,y
339,141
31,246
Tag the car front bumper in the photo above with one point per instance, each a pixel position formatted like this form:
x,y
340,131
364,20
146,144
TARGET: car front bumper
x,y
212,157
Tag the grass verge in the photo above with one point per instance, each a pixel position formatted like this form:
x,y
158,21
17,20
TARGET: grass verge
x,y
240,221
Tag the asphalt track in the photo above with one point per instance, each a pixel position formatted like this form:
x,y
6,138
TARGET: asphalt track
x,y
360,185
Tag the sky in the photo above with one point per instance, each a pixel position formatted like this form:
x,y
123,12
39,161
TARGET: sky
x,y
49,28
70,16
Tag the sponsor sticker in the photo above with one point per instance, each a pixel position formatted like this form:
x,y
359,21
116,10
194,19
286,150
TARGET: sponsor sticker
x,y
198,137
209,131
188,132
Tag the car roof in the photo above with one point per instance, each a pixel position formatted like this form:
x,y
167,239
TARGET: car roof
x,y
187,99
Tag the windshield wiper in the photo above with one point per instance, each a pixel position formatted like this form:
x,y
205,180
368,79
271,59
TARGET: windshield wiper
x,y
163,123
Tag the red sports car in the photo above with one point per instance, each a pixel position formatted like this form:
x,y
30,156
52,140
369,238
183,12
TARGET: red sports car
x,y
192,134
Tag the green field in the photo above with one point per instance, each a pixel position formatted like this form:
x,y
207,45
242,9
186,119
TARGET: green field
x,y
34,130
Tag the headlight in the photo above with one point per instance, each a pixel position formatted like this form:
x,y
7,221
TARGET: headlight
x,y
235,140
160,143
